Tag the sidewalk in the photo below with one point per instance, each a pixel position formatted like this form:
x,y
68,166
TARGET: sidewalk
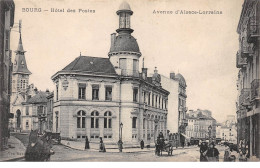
x,y
113,148
15,151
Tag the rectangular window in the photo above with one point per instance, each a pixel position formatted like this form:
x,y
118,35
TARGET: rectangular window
x,y
110,123
97,124
149,98
153,100
92,122
135,65
95,92
27,123
27,110
156,101
159,102
6,40
135,94
78,122
109,93
83,122
105,122
122,63
134,122
57,91
82,91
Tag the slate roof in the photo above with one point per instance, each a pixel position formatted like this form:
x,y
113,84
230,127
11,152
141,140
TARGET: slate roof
x,y
125,42
20,65
89,64
40,97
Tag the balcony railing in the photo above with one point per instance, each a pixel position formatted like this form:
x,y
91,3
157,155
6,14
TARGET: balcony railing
x,y
240,61
130,72
255,89
245,97
252,30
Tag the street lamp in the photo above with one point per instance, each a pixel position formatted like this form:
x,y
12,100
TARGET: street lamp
x,y
210,128
120,142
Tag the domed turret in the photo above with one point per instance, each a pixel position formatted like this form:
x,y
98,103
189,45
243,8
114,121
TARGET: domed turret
x,y
124,42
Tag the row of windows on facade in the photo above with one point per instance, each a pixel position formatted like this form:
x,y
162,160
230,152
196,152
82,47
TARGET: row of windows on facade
x,y
94,122
157,101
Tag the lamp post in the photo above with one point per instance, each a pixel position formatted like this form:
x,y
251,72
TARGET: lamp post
x,y
120,142
210,128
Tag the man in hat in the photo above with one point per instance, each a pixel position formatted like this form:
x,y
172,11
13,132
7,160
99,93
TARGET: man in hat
x,y
212,153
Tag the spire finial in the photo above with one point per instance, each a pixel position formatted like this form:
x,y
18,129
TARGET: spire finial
x,y
20,43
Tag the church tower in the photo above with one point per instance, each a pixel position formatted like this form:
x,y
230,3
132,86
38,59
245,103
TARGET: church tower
x,y
20,71
124,52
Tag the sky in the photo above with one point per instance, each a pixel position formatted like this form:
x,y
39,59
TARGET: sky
x,y
202,47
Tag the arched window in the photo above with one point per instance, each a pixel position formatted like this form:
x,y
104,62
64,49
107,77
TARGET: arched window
x,y
94,119
108,119
81,119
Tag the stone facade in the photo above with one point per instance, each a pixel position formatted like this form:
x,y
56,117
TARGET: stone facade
x,y
248,110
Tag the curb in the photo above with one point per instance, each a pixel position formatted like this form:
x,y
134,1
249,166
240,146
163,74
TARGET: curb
x,y
14,159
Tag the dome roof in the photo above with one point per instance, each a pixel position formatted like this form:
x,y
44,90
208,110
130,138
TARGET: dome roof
x,y
125,42
181,79
124,6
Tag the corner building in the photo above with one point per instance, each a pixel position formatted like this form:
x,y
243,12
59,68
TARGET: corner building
x,y
95,95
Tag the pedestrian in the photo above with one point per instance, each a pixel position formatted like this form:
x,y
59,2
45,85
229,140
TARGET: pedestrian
x,y
212,153
226,153
102,146
203,150
142,144
86,143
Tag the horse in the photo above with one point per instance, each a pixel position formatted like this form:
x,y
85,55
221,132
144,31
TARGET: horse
x,y
39,148
159,146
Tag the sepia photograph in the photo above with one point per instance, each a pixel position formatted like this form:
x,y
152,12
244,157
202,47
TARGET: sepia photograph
x,y
129,81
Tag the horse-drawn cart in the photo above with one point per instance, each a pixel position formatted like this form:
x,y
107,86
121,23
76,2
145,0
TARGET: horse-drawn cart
x,y
162,146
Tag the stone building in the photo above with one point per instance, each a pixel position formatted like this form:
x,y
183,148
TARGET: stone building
x,y
7,8
247,61
99,97
177,108
201,125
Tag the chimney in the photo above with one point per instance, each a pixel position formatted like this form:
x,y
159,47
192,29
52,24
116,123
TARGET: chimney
x,y
172,75
113,38
144,73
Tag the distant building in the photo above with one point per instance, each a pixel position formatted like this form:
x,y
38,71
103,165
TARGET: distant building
x,y
99,97
201,125
248,83
7,8
227,131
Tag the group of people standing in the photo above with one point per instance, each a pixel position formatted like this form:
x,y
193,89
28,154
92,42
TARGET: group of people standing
x,y
208,153
232,152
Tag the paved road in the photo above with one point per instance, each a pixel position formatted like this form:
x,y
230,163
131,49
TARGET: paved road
x,y
63,153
